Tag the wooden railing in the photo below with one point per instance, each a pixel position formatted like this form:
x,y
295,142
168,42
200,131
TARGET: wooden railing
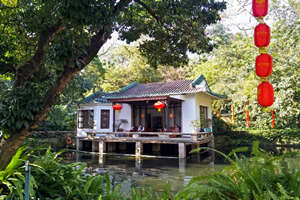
x,y
193,136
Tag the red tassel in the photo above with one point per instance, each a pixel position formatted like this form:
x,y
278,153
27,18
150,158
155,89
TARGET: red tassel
x,y
273,119
248,118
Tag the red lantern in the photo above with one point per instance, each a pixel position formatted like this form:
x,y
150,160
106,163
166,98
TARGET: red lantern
x,y
273,119
265,94
263,65
259,8
117,107
262,35
159,105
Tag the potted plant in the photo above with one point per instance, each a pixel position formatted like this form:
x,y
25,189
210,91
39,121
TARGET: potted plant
x,y
196,125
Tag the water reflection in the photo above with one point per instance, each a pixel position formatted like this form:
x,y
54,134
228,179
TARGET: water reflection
x,y
154,172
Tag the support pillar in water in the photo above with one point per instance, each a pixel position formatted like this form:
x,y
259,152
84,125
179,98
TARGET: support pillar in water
x,y
102,147
138,149
181,150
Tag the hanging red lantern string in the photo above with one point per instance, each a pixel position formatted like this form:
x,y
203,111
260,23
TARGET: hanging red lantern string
x,y
273,119
264,62
260,8
263,65
117,107
159,105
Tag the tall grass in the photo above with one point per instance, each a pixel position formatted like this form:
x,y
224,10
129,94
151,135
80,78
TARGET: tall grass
x,y
260,177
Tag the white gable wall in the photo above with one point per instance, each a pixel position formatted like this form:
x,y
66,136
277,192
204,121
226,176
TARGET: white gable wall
x,y
203,100
191,109
124,113
188,113
97,115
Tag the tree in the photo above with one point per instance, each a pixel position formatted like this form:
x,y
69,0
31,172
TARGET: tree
x,y
44,44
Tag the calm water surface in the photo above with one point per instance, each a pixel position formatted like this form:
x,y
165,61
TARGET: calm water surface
x,y
152,172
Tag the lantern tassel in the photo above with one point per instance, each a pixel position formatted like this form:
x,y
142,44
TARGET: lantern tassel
x,y
273,119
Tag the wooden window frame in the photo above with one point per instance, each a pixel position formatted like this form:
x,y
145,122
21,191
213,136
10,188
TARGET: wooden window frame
x,y
107,123
87,116
203,116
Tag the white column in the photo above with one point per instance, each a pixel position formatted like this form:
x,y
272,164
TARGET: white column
x,y
138,149
102,147
181,150
78,144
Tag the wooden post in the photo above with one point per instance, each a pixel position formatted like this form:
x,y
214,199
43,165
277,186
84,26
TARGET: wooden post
x,y
138,149
94,143
78,144
167,115
181,150
114,119
102,147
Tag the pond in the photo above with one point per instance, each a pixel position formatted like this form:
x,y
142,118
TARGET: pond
x,y
156,172
153,172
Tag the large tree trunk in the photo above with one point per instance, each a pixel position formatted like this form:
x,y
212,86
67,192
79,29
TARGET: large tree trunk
x,y
9,147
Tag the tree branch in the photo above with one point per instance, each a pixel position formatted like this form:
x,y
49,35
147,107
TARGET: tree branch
x,y
26,71
149,10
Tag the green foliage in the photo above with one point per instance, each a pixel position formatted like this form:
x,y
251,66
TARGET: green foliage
x,y
262,176
219,126
18,107
231,71
50,178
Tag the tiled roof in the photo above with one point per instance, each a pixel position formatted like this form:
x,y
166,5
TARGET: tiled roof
x,y
97,97
158,89
136,90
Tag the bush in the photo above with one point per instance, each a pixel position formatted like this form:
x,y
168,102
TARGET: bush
x,y
52,179
262,176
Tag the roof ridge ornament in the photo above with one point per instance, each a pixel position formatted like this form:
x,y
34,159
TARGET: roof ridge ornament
x,y
197,81
128,86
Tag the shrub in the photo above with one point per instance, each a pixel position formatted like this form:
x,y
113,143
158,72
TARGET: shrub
x,y
262,176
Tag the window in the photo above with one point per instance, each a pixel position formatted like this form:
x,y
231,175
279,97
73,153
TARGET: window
x,y
105,119
86,119
203,117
